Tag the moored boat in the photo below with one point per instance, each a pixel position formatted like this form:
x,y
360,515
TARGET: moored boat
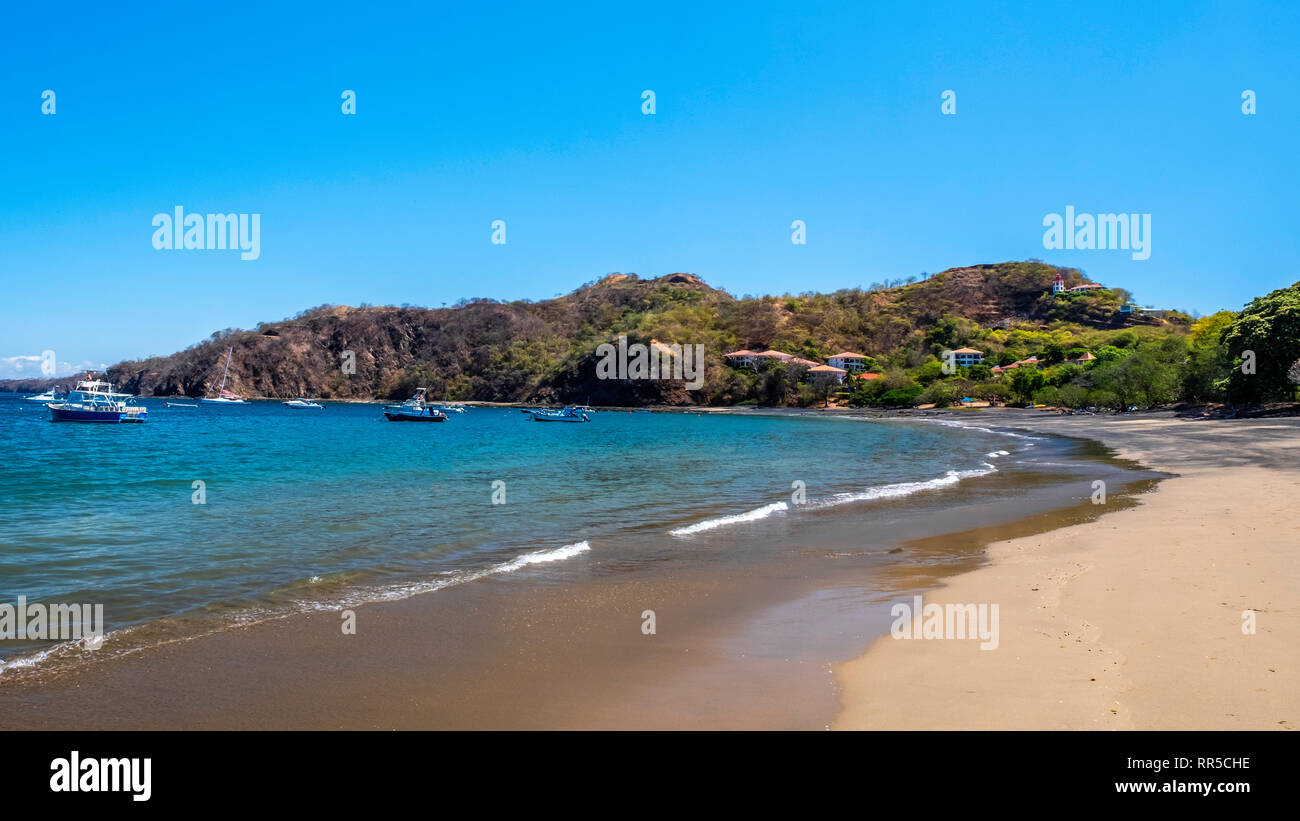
x,y
562,415
301,403
93,400
414,410
46,398
225,397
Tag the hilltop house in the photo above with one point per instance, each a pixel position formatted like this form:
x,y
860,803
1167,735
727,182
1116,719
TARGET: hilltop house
x,y
1058,286
848,361
968,356
1082,359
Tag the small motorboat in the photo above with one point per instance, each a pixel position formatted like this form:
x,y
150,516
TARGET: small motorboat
x,y
563,415
301,403
45,398
414,410
179,405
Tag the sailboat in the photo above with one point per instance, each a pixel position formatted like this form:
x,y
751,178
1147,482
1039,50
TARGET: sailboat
x,y
225,397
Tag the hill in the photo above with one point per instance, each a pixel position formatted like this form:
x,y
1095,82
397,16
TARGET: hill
x,y
546,350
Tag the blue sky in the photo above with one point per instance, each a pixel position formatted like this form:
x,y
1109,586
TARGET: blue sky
x,y
531,113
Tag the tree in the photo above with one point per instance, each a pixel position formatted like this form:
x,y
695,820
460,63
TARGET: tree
x,y
1209,364
1023,382
1268,328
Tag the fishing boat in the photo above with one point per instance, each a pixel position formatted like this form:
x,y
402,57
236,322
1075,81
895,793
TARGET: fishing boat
x,y
562,415
93,410
414,410
301,403
92,388
225,397
93,400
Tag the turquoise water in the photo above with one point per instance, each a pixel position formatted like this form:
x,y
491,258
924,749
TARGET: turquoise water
x,y
309,508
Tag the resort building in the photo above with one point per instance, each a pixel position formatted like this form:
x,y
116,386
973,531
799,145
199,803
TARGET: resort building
x,y
745,358
968,356
828,374
742,358
807,363
848,361
1083,359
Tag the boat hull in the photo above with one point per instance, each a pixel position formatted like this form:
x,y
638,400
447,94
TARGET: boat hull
x,y
223,402
403,416
83,415
540,417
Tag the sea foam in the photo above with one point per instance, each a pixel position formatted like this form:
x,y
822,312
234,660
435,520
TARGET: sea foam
x,y
750,516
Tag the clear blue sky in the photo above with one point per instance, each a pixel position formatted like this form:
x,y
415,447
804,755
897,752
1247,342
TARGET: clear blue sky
x,y
531,113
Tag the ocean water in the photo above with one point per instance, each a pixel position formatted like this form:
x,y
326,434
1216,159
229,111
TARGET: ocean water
x,y
311,509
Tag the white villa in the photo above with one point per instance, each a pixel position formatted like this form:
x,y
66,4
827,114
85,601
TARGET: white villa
x,y
848,361
742,358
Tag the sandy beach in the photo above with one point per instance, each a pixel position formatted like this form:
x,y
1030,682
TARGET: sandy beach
x,y
1133,621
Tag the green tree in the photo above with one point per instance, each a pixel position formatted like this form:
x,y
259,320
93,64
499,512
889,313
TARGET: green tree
x,y
1023,382
1269,327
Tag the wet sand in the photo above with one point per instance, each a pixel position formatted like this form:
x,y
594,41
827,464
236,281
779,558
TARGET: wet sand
x,y
745,645
1132,621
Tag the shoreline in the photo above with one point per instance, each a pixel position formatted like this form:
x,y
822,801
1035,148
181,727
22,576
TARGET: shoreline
x,y
752,649
1133,621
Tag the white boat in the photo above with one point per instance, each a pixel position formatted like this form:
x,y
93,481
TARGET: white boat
x,y
302,403
94,400
44,398
225,397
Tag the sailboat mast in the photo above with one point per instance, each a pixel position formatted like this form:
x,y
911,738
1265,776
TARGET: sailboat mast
x,y
230,351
